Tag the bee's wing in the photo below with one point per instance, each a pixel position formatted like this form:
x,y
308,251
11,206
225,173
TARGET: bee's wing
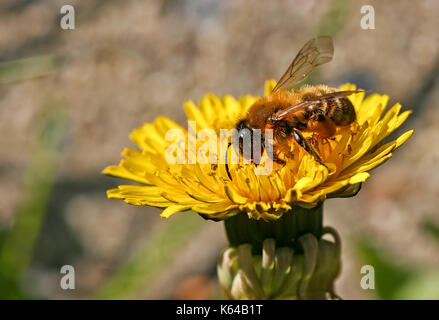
x,y
315,52
282,114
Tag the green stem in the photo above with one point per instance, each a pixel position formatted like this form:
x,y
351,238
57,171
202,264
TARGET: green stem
x,y
285,231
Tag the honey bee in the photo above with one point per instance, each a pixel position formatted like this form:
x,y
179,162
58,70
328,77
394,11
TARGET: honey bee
x,y
288,112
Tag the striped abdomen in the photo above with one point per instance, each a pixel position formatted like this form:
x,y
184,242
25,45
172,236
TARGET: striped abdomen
x,y
340,111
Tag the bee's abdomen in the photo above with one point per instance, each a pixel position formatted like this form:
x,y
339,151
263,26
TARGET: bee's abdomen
x,y
341,111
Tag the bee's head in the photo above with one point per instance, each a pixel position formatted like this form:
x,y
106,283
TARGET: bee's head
x,y
245,137
245,142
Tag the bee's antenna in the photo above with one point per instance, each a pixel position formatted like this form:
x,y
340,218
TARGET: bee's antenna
x,y
227,160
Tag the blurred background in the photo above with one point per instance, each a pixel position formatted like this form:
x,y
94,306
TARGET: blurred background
x,y
70,98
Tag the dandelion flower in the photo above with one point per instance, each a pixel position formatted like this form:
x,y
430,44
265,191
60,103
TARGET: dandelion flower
x,y
302,181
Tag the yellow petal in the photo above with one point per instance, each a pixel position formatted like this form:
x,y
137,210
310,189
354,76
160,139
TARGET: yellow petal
x,y
234,196
169,211
194,114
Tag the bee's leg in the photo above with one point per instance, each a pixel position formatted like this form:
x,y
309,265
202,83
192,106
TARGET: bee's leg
x,y
314,139
326,140
349,149
300,139
227,161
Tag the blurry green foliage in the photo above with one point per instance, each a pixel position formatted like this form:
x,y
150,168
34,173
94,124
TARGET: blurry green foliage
x,y
394,280
17,243
159,250
389,275
432,228
424,285
28,68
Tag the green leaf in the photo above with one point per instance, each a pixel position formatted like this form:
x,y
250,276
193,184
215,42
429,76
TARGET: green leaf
x,y
390,276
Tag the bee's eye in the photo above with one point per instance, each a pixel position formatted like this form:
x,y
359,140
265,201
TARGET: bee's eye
x,y
245,135
311,108
245,142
